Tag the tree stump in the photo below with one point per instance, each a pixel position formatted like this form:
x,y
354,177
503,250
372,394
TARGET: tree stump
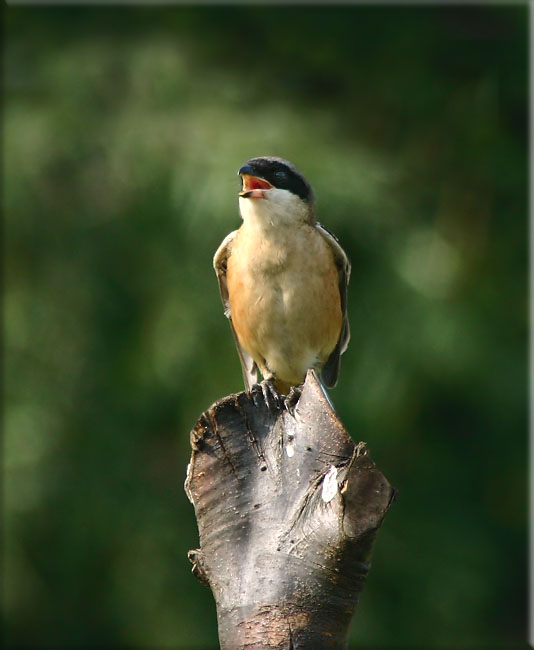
x,y
287,508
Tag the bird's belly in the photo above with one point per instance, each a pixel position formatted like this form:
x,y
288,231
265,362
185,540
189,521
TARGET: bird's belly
x,y
288,314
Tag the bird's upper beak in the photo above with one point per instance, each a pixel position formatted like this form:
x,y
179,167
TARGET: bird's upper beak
x,y
253,186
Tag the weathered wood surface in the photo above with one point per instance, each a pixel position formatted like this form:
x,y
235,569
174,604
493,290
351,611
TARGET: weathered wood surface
x,y
287,509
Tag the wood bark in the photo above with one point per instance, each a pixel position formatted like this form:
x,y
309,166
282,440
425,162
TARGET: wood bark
x,y
287,508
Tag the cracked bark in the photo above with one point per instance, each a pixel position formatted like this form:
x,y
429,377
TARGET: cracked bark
x,y
287,508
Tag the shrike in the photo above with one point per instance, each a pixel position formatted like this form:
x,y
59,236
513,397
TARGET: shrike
x,y
283,280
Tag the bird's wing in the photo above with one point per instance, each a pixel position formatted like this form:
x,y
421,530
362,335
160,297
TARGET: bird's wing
x,y
220,262
330,370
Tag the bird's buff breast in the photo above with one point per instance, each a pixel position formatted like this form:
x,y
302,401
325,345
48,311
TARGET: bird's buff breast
x,y
284,299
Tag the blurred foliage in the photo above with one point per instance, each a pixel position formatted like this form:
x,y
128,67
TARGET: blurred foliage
x,y
124,128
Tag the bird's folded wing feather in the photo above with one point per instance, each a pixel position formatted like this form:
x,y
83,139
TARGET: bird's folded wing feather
x,y
330,370
220,261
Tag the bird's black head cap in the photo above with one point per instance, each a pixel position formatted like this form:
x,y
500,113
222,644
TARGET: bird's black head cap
x,y
281,174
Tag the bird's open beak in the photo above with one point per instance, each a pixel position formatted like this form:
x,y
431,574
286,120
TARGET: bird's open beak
x,y
254,187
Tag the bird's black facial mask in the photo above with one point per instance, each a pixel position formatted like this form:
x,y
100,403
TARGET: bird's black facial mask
x,y
280,174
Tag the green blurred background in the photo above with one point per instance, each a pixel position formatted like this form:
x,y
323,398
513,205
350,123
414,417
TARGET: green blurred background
x,y
124,129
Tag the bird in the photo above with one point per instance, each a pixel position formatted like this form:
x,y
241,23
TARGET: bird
x,y
283,280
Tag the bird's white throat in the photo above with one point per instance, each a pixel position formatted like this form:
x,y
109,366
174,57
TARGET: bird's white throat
x,y
278,208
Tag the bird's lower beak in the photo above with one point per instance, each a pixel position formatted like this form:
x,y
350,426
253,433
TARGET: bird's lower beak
x,y
254,187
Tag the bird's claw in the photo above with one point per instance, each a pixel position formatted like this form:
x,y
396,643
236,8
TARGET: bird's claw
x,y
270,395
291,399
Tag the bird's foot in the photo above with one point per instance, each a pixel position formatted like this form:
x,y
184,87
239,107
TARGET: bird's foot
x,y
292,398
271,396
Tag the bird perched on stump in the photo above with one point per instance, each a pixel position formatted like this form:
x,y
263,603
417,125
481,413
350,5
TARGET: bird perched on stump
x,y
283,280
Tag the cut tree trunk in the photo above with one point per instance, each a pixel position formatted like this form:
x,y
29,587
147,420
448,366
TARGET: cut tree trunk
x,y
287,508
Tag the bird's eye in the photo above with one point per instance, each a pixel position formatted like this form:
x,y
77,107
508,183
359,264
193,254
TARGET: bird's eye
x,y
280,175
